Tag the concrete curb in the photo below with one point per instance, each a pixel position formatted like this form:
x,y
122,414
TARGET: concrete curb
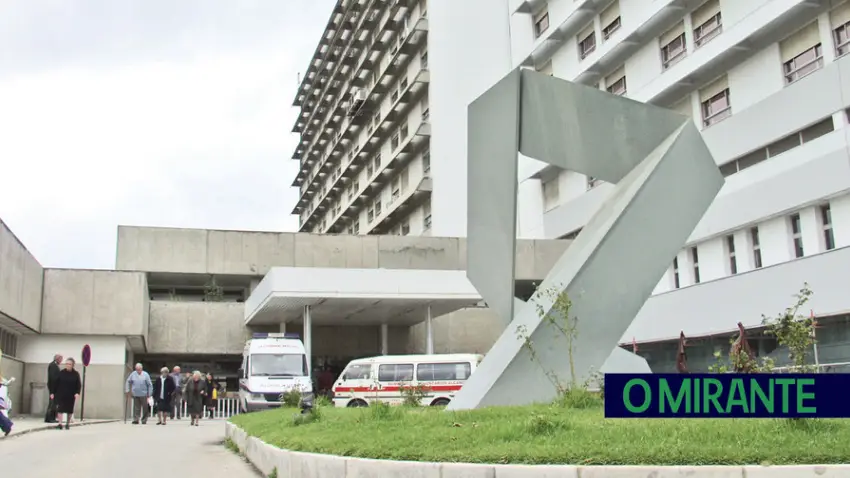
x,y
267,458
51,426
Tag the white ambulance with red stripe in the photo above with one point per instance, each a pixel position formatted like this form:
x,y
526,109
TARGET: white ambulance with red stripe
x,y
272,364
383,378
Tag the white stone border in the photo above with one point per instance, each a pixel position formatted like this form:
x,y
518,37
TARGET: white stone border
x,y
295,464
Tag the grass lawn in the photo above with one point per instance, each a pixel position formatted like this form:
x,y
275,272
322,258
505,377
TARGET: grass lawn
x,y
551,434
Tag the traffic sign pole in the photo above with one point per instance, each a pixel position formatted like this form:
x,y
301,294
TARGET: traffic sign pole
x,y
86,361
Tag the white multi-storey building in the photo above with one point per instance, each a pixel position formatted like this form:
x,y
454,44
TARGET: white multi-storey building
x,y
767,82
364,122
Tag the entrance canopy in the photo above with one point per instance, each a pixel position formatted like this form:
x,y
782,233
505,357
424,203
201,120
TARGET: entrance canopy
x,y
339,296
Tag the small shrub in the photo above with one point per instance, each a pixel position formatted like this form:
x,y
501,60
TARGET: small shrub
x,y
231,445
273,474
322,401
382,411
291,399
540,424
412,395
579,398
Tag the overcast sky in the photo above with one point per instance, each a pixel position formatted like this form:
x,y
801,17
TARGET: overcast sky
x,y
147,112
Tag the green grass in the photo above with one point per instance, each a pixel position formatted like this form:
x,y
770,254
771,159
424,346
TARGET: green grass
x,y
551,434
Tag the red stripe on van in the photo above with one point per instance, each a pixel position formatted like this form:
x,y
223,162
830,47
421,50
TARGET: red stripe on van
x,y
396,388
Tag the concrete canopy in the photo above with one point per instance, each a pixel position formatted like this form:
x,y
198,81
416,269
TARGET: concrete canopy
x,y
357,296
665,180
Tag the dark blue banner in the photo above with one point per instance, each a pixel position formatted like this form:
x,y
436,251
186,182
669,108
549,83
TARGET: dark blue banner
x,y
727,395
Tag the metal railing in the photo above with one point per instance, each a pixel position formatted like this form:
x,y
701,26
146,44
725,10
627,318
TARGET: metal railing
x,y
224,408
838,367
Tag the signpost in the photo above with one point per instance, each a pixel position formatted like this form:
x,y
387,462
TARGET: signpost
x,y
86,354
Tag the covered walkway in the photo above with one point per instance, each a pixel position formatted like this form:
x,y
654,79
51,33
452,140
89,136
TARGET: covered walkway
x,y
357,297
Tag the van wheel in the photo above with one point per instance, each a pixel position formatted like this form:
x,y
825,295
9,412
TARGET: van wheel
x,y
440,402
357,404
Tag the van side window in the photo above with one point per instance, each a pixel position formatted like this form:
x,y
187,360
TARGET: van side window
x,y
430,372
395,372
358,372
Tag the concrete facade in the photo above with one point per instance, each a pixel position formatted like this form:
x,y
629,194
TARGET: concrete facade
x,y
152,308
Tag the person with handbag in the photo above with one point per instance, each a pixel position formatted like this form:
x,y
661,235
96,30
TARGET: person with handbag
x,y
52,374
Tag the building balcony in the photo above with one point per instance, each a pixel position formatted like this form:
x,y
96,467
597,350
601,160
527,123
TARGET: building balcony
x,y
400,207
696,310
414,89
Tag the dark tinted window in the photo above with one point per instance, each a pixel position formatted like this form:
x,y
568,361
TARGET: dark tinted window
x,y
395,372
443,371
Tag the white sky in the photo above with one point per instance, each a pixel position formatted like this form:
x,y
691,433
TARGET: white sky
x,y
147,112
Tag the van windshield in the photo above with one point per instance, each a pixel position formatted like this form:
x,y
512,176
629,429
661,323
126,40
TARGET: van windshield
x,y
278,365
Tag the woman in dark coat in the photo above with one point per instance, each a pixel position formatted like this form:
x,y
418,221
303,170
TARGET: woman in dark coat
x,y
68,386
195,395
212,395
163,389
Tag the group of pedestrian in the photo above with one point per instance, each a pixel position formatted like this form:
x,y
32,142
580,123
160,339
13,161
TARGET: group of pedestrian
x,y
167,394
64,386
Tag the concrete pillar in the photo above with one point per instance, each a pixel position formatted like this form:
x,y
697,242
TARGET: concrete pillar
x,y
308,347
385,339
283,327
429,333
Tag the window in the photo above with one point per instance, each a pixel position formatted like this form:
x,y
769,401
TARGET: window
x,y
271,365
357,227
426,211
839,17
716,108
615,83
377,161
426,161
754,237
796,235
778,147
826,223
395,140
358,372
708,22
541,22
405,228
432,372
423,58
802,53
610,20
676,283
730,248
586,42
695,258
395,372
377,207
370,214
551,193
673,46
8,343
426,113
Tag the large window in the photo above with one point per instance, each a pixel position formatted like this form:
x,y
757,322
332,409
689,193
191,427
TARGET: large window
x,y
733,261
541,22
797,235
716,108
676,283
358,372
395,372
707,22
754,237
586,42
673,46
826,223
615,83
431,372
278,365
802,53
8,343
695,259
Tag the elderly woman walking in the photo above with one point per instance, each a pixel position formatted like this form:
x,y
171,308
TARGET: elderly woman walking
x,y
195,395
163,390
68,386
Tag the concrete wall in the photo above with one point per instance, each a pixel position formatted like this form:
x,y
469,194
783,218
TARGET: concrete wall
x,y
93,302
21,279
14,368
254,253
465,331
197,327
104,376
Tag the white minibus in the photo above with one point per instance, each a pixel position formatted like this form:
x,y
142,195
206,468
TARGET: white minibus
x,y
383,378
272,364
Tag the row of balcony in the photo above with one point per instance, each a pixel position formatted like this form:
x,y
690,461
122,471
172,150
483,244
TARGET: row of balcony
x,y
366,35
400,157
364,89
309,172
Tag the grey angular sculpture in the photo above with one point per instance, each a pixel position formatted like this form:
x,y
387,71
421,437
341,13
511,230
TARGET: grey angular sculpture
x,y
665,180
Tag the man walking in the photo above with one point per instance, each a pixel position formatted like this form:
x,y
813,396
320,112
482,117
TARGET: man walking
x,y
177,398
139,388
52,375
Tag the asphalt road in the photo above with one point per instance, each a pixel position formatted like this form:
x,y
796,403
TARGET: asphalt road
x,y
116,450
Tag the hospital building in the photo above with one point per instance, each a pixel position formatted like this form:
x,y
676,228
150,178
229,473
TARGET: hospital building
x,y
377,265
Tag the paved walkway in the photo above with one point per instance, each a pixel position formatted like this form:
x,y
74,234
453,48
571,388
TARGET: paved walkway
x,y
113,450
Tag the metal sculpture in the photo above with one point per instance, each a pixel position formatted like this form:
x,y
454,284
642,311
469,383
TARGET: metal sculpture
x,y
664,178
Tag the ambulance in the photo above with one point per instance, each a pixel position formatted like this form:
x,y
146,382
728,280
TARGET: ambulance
x,y
272,364
382,378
